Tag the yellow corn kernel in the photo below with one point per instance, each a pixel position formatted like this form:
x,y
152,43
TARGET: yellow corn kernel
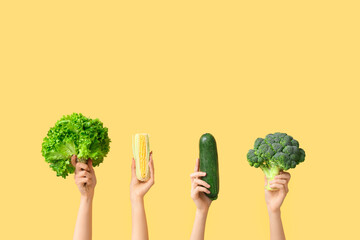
x,y
142,155
141,151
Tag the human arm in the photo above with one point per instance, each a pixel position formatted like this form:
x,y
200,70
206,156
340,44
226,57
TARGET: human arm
x,y
274,199
202,202
138,190
85,180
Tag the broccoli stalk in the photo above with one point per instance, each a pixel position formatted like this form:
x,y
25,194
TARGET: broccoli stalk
x,y
270,173
277,152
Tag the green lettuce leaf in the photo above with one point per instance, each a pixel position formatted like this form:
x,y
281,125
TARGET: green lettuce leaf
x,y
75,135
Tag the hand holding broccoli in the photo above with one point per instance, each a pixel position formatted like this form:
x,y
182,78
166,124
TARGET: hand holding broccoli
x,y
275,153
275,197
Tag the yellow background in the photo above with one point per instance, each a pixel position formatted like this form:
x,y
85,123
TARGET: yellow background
x,y
178,69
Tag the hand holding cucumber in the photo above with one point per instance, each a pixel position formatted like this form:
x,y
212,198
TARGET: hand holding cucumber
x,y
200,194
199,188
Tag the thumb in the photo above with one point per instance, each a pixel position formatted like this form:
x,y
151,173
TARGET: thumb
x,y
152,172
73,160
133,168
90,164
197,165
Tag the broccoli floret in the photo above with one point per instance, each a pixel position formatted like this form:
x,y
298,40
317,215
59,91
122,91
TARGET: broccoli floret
x,y
275,153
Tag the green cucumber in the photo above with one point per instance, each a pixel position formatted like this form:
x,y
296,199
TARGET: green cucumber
x,y
209,164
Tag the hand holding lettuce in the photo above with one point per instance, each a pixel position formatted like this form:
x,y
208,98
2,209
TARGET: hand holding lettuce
x,y
77,135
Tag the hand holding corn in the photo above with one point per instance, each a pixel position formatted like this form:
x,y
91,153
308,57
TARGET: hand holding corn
x,y
138,188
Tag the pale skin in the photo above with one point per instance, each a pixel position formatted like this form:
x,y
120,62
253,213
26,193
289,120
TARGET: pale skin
x,y
202,202
85,180
138,190
274,200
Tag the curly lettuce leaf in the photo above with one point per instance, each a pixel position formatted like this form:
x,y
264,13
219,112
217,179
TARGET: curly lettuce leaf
x,y
75,135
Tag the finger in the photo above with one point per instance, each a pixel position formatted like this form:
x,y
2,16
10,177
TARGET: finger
x,y
89,182
277,186
149,183
84,174
201,189
283,175
194,184
197,174
151,165
82,180
73,160
202,183
133,168
90,165
151,180
86,182
197,163
278,181
82,166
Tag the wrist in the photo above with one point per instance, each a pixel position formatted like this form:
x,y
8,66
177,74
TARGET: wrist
x,y
274,212
135,200
202,211
86,198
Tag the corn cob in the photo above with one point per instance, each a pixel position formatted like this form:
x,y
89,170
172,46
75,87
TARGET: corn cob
x,y
141,152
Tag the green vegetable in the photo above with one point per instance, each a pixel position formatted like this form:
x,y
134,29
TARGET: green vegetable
x,y
209,164
275,153
75,135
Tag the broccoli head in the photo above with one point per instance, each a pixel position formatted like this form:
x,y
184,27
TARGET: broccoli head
x,y
275,153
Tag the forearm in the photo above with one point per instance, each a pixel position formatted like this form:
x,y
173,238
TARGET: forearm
x,y
198,231
276,227
139,225
83,227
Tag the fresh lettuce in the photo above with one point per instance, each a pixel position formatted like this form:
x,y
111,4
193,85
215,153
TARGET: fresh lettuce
x,y
75,135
